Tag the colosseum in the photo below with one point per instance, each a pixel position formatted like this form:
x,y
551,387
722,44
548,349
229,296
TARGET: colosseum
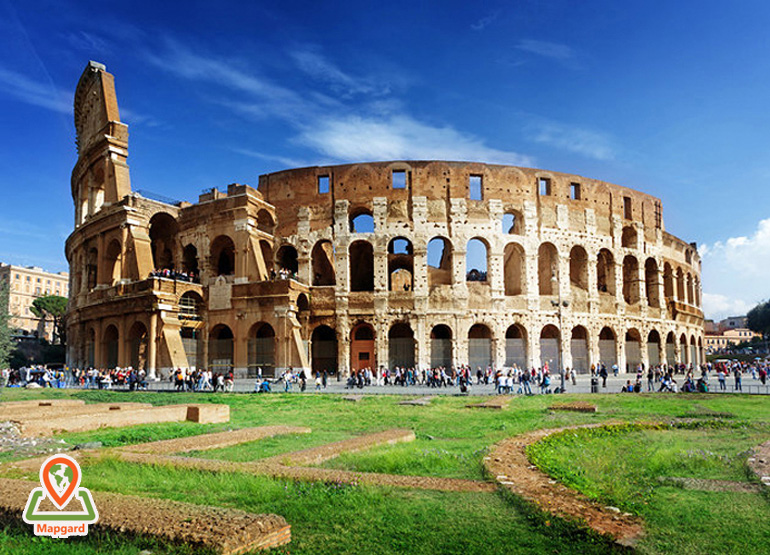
x,y
403,263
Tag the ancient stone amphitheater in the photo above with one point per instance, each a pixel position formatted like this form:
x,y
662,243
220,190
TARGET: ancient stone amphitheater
x,y
404,263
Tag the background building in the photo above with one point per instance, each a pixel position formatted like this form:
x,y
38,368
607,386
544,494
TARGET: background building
x,y
404,263
25,284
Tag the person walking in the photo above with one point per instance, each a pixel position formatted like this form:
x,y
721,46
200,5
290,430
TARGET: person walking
x,y
603,374
738,386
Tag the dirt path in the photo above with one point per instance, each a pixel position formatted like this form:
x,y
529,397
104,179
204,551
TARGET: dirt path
x,y
509,464
759,463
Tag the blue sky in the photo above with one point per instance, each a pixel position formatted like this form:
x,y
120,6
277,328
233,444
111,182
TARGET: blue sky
x,y
669,98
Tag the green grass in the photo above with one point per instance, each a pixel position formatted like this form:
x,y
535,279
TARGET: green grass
x,y
621,467
451,442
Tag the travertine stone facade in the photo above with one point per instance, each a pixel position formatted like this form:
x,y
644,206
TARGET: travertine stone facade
x,y
25,284
404,263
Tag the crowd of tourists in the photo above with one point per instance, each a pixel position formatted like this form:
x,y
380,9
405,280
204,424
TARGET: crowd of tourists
x,y
177,275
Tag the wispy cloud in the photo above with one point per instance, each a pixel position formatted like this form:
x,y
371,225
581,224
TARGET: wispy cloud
x,y
735,272
310,61
546,49
485,21
288,162
29,91
587,142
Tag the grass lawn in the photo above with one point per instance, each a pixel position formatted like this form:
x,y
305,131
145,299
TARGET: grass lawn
x,y
618,468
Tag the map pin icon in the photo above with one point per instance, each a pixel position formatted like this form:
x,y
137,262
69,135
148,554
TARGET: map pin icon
x,y
60,478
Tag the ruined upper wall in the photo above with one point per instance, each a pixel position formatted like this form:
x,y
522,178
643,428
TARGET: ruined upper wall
x,y
440,181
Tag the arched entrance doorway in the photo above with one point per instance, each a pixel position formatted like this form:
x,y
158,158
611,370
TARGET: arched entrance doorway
x,y
607,351
515,346
479,347
324,350
579,349
362,347
137,346
653,348
401,346
110,347
221,349
549,348
261,350
441,347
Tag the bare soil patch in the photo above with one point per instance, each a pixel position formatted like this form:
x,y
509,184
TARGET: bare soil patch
x,y
421,402
509,464
759,463
498,402
575,406
701,484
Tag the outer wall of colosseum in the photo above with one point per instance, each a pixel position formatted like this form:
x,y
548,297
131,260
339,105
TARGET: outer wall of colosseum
x,y
402,263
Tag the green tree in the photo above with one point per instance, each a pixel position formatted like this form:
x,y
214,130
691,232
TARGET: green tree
x,y
759,318
6,345
54,306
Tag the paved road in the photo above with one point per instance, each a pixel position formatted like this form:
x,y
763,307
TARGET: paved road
x,y
583,385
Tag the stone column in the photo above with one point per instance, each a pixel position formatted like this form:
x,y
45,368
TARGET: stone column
x,y
152,346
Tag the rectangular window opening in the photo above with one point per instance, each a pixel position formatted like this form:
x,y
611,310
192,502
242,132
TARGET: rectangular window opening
x,y
474,182
544,187
574,191
399,179
323,184
627,212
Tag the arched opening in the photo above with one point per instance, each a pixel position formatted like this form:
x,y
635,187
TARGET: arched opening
x,y
547,269
630,280
361,266
322,258
221,349
192,342
287,259
671,348
579,349
684,354
633,350
628,237
110,341
513,223
653,348
668,281
137,346
113,262
513,269
324,350
191,307
90,348
607,348
550,353
261,350
690,295
400,265
701,354
265,221
362,222
441,346
688,256
651,283
362,347
516,346
266,251
400,346
476,260
479,347
190,261
163,230
605,272
680,296
439,262
223,256
578,268
92,265
694,359
303,303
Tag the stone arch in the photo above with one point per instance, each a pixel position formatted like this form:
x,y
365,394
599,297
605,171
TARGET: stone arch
x,y
223,255
668,282
113,260
680,295
512,223
608,347
190,260
516,346
362,353
547,269
651,282
694,358
262,343
439,255
265,221
605,272
137,346
514,269
401,346
690,295
287,259
477,260
579,349
362,221
628,237
322,258
684,353
633,349
110,342
163,233
90,354
220,349
324,349
630,279
671,348
550,347
578,268
441,346
479,346
653,348
361,255
266,251
92,266
400,264
303,303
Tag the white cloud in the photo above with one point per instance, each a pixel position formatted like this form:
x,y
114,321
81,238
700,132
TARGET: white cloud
x,y
552,50
311,62
587,142
485,21
735,272
32,92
